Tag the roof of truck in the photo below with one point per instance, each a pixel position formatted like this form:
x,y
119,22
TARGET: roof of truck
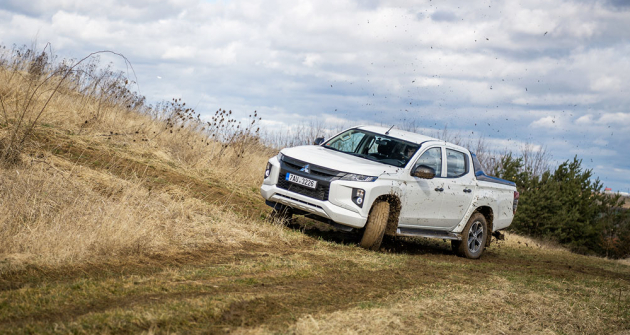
x,y
401,134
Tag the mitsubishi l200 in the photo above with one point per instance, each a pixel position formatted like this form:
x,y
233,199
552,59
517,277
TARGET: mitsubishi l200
x,y
385,181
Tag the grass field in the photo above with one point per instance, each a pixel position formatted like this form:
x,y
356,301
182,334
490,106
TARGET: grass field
x,y
201,258
122,227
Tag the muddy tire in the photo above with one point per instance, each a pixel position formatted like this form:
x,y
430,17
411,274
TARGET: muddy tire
x,y
474,237
375,226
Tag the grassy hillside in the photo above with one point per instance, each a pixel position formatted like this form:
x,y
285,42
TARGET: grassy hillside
x,y
117,218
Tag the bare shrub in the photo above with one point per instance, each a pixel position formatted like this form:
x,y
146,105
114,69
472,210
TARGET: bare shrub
x,y
536,161
84,99
300,134
31,84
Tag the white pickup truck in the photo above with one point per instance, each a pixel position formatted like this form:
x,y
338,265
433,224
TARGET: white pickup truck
x,y
387,181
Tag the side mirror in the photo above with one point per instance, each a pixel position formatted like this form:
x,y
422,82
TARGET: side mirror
x,y
318,141
423,171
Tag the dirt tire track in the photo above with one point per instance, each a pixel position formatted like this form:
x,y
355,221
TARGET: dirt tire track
x,y
155,176
277,299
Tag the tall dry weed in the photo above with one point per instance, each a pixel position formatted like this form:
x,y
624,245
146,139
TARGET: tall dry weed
x,y
31,82
52,215
84,99
56,211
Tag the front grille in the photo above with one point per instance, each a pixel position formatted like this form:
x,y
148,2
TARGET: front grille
x,y
293,163
315,170
319,193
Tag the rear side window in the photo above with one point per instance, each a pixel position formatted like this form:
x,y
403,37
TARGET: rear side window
x,y
433,159
476,165
456,163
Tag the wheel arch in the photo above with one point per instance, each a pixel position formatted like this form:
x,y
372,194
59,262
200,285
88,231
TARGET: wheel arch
x,y
487,213
394,211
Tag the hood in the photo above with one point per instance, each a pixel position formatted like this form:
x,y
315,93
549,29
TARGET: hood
x,y
339,161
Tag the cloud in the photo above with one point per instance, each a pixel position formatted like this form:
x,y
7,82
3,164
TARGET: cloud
x,y
443,16
546,122
505,71
585,119
615,118
606,83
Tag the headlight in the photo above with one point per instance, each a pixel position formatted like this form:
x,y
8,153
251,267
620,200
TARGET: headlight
x,y
280,157
358,177
268,170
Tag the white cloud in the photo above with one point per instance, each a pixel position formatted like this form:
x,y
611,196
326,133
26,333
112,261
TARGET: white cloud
x,y
558,99
615,118
512,68
606,83
546,122
605,119
312,59
585,119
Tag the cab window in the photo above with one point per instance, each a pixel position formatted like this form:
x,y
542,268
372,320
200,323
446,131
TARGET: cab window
x,y
456,163
433,159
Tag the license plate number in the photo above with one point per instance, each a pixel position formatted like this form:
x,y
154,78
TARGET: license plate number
x,y
310,183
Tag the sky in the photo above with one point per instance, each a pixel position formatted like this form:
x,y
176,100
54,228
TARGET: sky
x,y
551,73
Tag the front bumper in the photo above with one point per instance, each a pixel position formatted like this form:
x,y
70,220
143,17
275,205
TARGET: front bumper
x,y
324,209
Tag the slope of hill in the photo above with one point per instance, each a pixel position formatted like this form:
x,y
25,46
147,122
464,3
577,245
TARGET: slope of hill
x,y
116,218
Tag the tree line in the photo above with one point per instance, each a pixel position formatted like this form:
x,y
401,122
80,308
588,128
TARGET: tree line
x,y
568,205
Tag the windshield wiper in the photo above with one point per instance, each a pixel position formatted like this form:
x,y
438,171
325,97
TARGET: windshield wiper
x,y
368,157
335,149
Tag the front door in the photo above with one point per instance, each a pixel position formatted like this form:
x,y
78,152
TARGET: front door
x,y
422,200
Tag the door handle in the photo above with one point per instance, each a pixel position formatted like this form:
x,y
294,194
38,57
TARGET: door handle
x,y
439,189
467,190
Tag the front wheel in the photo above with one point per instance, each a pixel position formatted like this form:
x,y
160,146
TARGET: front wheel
x,y
473,238
375,226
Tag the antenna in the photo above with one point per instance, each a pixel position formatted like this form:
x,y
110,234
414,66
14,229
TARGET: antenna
x,y
390,128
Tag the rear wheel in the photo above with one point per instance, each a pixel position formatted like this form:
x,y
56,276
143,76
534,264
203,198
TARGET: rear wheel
x,y
474,238
375,226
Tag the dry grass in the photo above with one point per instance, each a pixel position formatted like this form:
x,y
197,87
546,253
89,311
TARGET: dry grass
x,y
122,219
505,309
515,241
56,213
54,210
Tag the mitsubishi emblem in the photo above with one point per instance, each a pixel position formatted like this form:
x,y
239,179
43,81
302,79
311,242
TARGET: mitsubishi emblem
x,y
306,168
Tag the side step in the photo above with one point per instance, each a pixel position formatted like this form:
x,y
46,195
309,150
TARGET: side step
x,y
428,233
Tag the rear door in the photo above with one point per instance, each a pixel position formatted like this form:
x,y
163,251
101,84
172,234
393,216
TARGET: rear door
x,y
459,187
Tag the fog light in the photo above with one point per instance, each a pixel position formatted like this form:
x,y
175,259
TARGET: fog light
x,y
268,170
358,196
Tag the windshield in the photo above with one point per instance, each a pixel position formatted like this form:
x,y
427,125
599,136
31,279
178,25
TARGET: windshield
x,y
375,147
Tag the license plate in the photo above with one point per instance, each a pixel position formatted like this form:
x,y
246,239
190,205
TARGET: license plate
x,y
301,180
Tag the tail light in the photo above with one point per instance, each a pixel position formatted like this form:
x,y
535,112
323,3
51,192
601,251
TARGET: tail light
x,y
516,196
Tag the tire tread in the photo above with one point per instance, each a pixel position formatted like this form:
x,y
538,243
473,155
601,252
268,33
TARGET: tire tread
x,y
375,226
461,247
